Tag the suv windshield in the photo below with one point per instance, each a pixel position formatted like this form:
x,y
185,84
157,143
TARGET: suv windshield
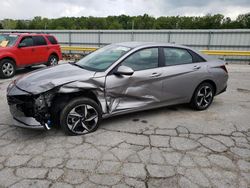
x,y
102,58
7,40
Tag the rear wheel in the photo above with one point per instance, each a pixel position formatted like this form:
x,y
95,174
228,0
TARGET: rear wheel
x,y
80,116
52,61
203,96
7,68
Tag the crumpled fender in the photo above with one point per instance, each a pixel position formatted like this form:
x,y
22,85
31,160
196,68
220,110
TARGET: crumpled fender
x,y
94,85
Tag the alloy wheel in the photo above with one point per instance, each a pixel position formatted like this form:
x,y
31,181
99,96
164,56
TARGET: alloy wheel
x,y
7,69
82,119
204,96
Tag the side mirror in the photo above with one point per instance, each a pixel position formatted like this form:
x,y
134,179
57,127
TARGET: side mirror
x,y
124,70
21,45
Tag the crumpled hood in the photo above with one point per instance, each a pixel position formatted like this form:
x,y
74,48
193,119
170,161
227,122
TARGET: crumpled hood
x,y
47,78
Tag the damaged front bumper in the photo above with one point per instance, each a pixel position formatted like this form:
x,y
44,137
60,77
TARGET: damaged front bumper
x,y
24,122
22,106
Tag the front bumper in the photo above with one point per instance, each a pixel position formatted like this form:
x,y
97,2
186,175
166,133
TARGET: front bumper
x,y
19,117
20,120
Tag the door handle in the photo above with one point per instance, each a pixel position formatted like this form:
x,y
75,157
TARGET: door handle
x,y
196,67
155,74
33,49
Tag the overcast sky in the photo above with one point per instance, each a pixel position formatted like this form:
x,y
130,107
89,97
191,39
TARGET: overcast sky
x,y
27,9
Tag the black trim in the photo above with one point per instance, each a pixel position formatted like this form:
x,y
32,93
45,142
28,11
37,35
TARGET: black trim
x,y
223,90
196,57
161,57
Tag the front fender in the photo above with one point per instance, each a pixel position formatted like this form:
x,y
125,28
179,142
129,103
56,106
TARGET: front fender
x,y
4,55
97,88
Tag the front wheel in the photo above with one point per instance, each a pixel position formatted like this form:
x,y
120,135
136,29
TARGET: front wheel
x,y
203,96
80,116
52,61
7,68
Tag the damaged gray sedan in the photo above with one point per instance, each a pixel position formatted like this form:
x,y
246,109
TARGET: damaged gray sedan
x,y
116,79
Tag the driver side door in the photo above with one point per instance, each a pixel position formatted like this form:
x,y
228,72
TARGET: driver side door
x,y
25,54
140,90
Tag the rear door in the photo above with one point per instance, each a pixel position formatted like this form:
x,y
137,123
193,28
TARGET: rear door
x,y
143,88
25,54
182,72
40,49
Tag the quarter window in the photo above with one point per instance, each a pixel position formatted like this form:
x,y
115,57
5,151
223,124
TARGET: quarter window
x,y
52,39
176,56
39,40
143,59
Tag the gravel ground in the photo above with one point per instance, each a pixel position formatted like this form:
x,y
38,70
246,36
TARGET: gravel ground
x,y
167,147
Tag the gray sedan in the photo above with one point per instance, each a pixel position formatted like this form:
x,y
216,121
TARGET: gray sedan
x,y
116,79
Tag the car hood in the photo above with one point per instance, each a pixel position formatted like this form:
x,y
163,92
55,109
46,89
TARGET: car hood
x,y
45,79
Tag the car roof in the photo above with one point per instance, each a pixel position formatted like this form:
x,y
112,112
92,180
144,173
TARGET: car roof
x,y
29,34
136,44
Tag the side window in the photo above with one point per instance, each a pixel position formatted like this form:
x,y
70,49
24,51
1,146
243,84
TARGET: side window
x,y
196,58
39,40
28,41
177,56
143,59
52,39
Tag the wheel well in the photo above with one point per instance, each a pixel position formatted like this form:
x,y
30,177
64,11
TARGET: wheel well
x,y
210,82
60,100
55,54
9,58
205,81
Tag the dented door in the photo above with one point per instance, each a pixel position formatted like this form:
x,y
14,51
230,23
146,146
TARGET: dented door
x,y
142,89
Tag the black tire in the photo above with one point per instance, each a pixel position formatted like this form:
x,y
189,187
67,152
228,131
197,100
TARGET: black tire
x,y
7,68
203,96
78,123
53,60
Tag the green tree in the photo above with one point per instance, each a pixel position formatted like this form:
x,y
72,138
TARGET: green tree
x,y
243,20
9,24
216,21
21,24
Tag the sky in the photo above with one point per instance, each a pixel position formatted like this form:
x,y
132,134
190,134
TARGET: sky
x,y
27,9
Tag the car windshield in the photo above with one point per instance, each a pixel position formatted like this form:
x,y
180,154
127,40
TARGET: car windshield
x,y
7,40
102,58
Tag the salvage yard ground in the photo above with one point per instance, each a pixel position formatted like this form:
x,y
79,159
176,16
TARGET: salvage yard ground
x,y
167,147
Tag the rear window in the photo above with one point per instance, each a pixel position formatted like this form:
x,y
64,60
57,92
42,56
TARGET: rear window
x,y
52,39
39,40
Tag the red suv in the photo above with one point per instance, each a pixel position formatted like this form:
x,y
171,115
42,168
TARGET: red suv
x,y
26,49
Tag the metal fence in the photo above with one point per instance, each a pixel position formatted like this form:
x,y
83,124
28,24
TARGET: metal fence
x,y
238,39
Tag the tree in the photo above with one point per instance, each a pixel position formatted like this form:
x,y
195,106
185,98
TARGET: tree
x,y
216,21
244,20
9,24
21,25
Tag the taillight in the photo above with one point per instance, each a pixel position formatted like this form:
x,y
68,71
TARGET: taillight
x,y
224,68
